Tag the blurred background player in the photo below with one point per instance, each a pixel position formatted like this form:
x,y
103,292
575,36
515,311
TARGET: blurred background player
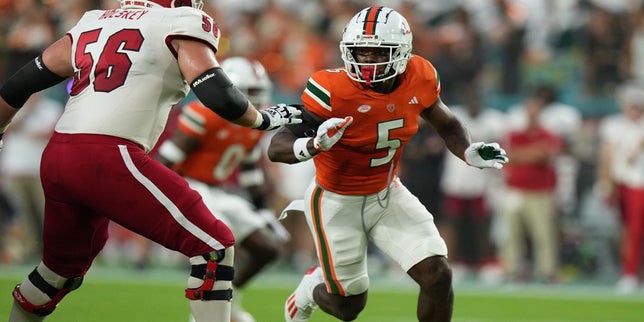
x,y
358,119
129,67
468,196
620,179
528,209
20,167
222,161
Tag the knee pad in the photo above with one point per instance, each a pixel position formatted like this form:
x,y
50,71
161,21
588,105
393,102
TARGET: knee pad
x,y
357,285
216,272
39,284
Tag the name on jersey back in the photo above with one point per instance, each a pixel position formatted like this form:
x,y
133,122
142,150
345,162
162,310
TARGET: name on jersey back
x,y
123,14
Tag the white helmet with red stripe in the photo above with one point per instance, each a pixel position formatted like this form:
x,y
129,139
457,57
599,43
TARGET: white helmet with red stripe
x,y
251,79
161,3
379,27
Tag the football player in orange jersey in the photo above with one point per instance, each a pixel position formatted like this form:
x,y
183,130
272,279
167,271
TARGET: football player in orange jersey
x,y
357,120
129,66
208,151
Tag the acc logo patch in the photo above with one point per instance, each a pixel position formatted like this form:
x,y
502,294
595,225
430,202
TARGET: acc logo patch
x,y
364,108
391,107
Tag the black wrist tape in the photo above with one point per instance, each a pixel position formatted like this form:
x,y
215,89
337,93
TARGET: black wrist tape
x,y
31,78
215,90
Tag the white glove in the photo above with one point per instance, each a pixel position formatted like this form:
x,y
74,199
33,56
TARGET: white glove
x,y
485,155
330,132
278,115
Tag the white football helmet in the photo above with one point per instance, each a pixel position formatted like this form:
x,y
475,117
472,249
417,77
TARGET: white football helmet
x,y
125,4
379,27
251,78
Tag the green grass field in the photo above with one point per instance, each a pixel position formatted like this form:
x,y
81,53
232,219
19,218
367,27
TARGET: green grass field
x,y
114,294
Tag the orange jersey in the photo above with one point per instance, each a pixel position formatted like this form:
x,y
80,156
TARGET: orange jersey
x,y
360,162
224,145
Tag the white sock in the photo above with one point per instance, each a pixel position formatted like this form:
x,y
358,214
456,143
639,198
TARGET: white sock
x,y
34,295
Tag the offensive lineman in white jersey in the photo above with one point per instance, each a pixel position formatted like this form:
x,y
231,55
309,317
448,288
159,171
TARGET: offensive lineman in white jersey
x,y
129,67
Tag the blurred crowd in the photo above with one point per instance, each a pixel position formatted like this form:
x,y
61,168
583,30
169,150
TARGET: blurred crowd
x,y
560,84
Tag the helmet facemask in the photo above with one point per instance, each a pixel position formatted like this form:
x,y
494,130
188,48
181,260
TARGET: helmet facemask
x,y
376,71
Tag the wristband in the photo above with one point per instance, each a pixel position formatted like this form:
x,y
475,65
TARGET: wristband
x,y
258,121
172,152
300,149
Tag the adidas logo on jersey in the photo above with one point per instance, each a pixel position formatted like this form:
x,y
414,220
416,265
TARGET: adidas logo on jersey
x,y
413,100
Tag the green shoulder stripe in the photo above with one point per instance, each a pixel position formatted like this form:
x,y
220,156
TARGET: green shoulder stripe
x,y
318,93
193,120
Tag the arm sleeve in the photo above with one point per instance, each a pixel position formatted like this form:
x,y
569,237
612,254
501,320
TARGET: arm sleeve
x,y
31,78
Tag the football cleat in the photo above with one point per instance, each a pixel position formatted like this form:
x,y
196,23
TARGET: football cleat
x,y
300,304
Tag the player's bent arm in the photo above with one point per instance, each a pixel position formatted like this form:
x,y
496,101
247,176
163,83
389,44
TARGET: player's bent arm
x,y
210,84
50,68
282,147
177,148
449,127
457,139
58,57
